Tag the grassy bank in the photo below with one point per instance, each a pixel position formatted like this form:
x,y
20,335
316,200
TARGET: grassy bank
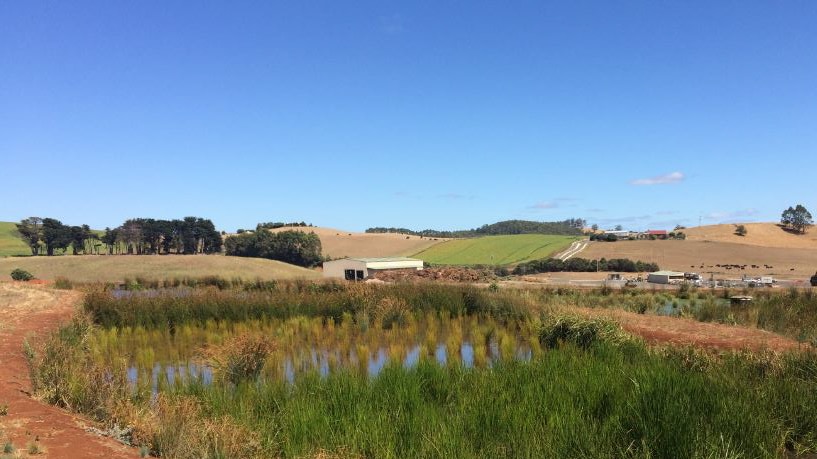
x,y
116,268
591,393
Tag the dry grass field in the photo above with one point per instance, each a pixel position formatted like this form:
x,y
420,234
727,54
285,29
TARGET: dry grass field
x,y
339,244
689,255
758,234
115,268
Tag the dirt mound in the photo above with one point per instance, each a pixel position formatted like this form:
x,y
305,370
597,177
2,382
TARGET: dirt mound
x,y
673,330
448,274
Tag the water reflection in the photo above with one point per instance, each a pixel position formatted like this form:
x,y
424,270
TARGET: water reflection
x,y
325,361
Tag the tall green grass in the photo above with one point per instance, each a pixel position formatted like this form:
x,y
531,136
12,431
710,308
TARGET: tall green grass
x,y
594,393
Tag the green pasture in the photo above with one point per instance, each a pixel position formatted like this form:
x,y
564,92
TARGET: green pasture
x,y
10,242
495,250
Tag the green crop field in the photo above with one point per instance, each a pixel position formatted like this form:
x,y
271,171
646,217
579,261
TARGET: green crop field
x,y
10,242
495,250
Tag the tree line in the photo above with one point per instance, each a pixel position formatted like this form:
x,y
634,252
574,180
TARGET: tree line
x,y
569,227
549,265
275,225
295,247
138,236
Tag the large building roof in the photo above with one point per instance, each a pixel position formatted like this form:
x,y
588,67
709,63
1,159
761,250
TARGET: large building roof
x,y
384,259
667,273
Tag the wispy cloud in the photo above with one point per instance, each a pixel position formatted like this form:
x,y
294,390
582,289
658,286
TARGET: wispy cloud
x,y
391,25
728,216
454,196
544,205
672,177
666,212
595,210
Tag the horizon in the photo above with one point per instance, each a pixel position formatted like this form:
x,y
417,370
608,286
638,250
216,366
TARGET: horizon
x,y
403,115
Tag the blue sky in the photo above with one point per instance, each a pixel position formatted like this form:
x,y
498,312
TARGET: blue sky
x,y
440,115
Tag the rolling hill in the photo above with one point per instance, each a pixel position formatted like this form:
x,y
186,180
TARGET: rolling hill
x,y
340,244
10,243
495,250
115,268
757,234
691,254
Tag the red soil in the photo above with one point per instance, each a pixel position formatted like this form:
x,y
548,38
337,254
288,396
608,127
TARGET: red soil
x,y
673,330
59,433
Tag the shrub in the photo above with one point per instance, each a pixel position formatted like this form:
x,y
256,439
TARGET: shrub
x,y
21,275
579,331
241,358
63,283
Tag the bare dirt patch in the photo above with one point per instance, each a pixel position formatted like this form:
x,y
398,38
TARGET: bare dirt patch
x,y
447,274
341,244
29,311
683,331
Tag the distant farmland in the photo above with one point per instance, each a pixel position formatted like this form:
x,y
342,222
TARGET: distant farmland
x,y
10,242
495,250
115,268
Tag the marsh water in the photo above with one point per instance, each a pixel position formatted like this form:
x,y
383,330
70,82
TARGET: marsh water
x,y
314,346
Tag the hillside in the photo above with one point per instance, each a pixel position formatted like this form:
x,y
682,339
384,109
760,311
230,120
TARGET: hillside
x,y
113,268
495,250
689,255
10,242
339,244
758,234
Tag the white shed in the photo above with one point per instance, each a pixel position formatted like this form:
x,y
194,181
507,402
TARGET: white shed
x,y
665,277
363,268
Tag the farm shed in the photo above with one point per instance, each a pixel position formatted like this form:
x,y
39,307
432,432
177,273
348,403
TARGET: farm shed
x,y
624,234
665,277
363,268
658,234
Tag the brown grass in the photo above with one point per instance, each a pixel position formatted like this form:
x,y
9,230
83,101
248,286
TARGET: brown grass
x,y
115,268
339,244
757,234
690,254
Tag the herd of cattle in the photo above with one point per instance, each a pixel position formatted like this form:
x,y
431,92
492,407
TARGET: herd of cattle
x,y
729,267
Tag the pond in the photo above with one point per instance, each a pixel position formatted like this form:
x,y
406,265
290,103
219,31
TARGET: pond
x,y
307,346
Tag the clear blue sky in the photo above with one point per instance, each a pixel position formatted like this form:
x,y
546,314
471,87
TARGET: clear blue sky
x,y
418,114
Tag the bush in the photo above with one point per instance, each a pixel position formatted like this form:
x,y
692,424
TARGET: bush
x,y
63,283
21,275
242,358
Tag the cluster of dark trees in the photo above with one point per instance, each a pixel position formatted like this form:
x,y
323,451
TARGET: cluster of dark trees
x,y
274,225
549,265
296,247
47,235
608,237
136,236
570,227
796,218
148,236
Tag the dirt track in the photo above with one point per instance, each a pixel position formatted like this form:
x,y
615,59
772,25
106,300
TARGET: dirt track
x,y
27,310
673,330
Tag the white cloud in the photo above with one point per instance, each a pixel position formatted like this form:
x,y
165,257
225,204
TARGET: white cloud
x,y
544,205
391,25
672,177
455,196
